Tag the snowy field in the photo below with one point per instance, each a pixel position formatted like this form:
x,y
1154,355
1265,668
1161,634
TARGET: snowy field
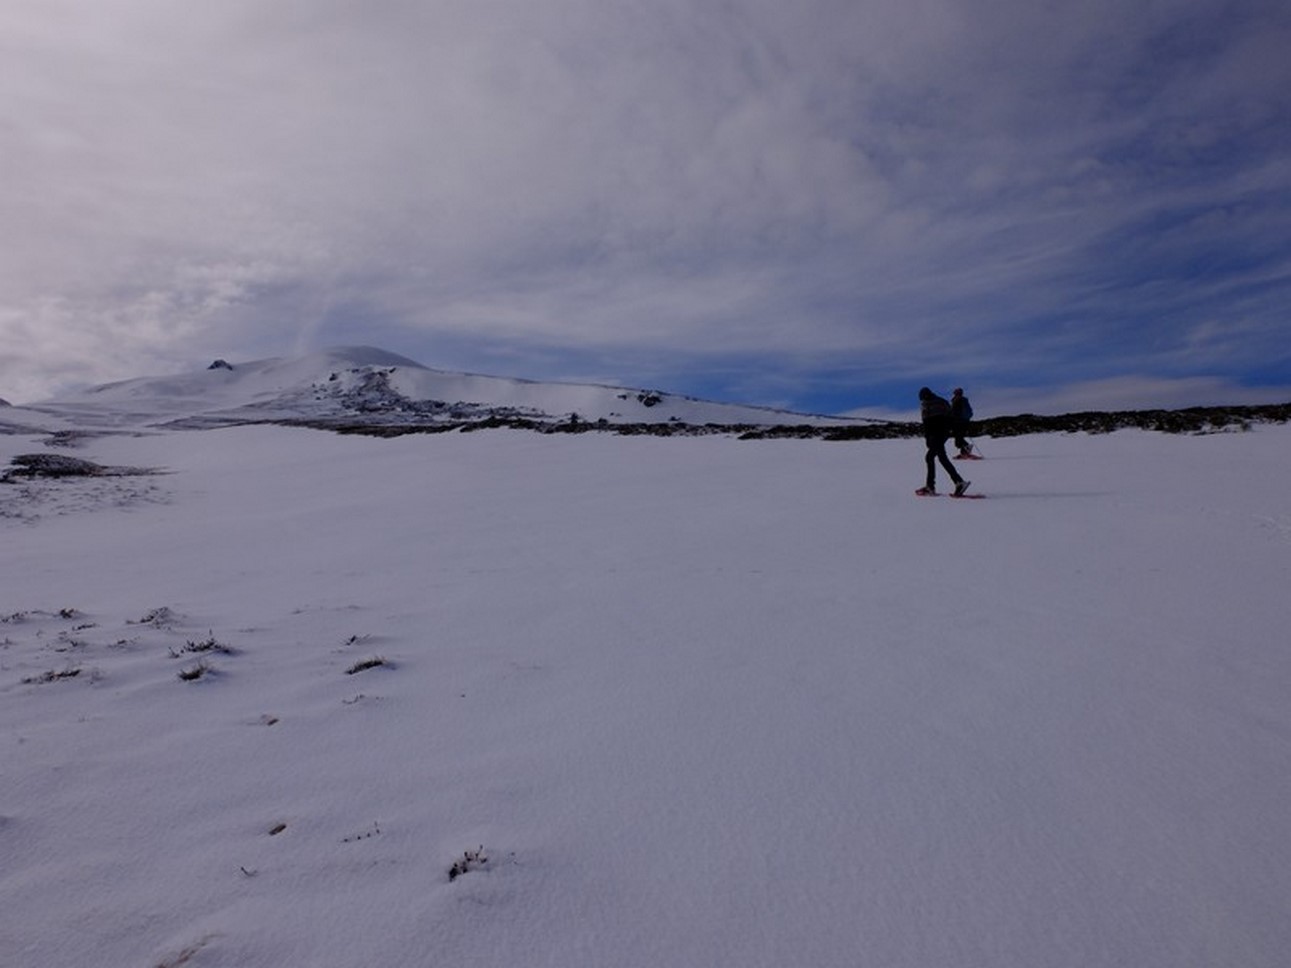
x,y
646,703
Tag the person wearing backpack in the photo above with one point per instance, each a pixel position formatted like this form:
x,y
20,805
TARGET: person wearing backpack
x,y
961,412
937,428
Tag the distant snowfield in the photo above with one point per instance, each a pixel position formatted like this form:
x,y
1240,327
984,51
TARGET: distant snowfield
x,y
646,702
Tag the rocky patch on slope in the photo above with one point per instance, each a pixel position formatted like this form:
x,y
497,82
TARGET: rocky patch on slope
x,y
62,465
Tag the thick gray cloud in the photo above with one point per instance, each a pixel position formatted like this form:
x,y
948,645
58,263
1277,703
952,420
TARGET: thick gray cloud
x,y
1021,192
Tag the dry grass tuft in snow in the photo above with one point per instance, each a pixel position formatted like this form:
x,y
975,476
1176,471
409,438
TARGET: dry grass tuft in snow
x,y
469,861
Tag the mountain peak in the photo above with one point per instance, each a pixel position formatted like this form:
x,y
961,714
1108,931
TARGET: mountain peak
x,y
367,356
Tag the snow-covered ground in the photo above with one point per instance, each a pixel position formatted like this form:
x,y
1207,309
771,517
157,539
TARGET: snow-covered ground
x,y
691,701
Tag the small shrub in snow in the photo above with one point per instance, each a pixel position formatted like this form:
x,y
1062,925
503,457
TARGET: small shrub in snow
x,y
52,676
194,672
469,861
158,618
208,644
365,664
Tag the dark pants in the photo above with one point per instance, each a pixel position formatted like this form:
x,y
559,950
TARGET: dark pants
x,y
961,435
937,452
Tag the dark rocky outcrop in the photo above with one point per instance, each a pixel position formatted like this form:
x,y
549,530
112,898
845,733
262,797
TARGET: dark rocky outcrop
x,y
63,466
1192,420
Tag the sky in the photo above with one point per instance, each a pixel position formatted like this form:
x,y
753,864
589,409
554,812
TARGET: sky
x,y
820,205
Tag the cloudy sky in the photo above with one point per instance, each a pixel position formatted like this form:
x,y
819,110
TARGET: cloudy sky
x,y
820,204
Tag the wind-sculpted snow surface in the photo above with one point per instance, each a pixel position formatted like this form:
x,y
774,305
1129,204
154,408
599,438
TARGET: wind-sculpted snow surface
x,y
510,699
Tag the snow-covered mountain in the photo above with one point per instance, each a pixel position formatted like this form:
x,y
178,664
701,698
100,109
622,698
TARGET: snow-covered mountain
x,y
363,384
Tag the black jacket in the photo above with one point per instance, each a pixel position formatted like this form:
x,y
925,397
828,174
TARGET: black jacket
x,y
935,412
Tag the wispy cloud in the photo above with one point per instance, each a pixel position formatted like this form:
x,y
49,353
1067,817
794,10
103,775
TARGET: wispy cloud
x,y
798,201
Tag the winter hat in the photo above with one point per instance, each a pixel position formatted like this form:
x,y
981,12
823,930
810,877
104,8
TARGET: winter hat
x,y
925,393
959,392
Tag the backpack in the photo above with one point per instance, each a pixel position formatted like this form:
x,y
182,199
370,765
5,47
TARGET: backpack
x,y
934,410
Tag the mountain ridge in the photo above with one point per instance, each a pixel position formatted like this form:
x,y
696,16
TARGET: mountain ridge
x,y
376,387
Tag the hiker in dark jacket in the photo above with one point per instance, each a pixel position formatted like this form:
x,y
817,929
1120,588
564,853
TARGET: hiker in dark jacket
x,y
961,412
937,428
